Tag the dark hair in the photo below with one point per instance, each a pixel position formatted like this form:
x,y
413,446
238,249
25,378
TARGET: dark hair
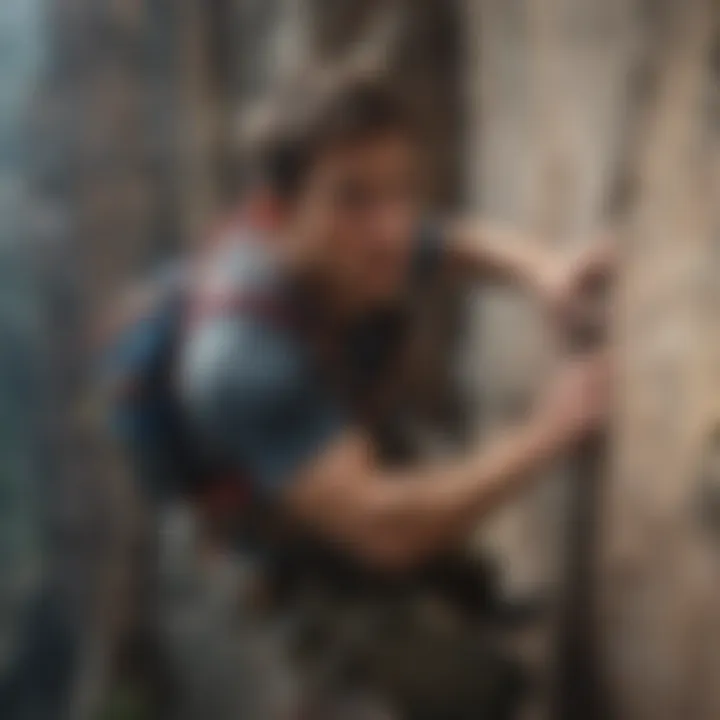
x,y
315,113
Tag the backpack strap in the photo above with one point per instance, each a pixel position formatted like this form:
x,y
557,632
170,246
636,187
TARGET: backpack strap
x,y
248,224
252,304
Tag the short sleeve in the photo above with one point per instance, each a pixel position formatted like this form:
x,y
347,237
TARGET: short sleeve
x,y
255,397
428,252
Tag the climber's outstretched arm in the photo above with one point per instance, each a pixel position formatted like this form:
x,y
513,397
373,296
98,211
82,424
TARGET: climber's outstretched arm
x,y
478,249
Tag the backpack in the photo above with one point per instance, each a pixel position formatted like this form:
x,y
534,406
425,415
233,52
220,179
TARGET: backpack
x,y
138,368
146,415
143,408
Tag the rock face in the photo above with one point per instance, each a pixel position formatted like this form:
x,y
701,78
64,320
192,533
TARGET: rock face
x,y
660,586
548,84
587,109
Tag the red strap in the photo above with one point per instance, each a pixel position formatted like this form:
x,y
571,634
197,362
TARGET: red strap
x,y
256,214
254,305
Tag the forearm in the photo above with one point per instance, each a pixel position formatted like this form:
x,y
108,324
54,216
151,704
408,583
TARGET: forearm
x,y
398,517
494,251
420,511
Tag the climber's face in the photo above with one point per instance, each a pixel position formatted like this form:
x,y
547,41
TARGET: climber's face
x,y
356,213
